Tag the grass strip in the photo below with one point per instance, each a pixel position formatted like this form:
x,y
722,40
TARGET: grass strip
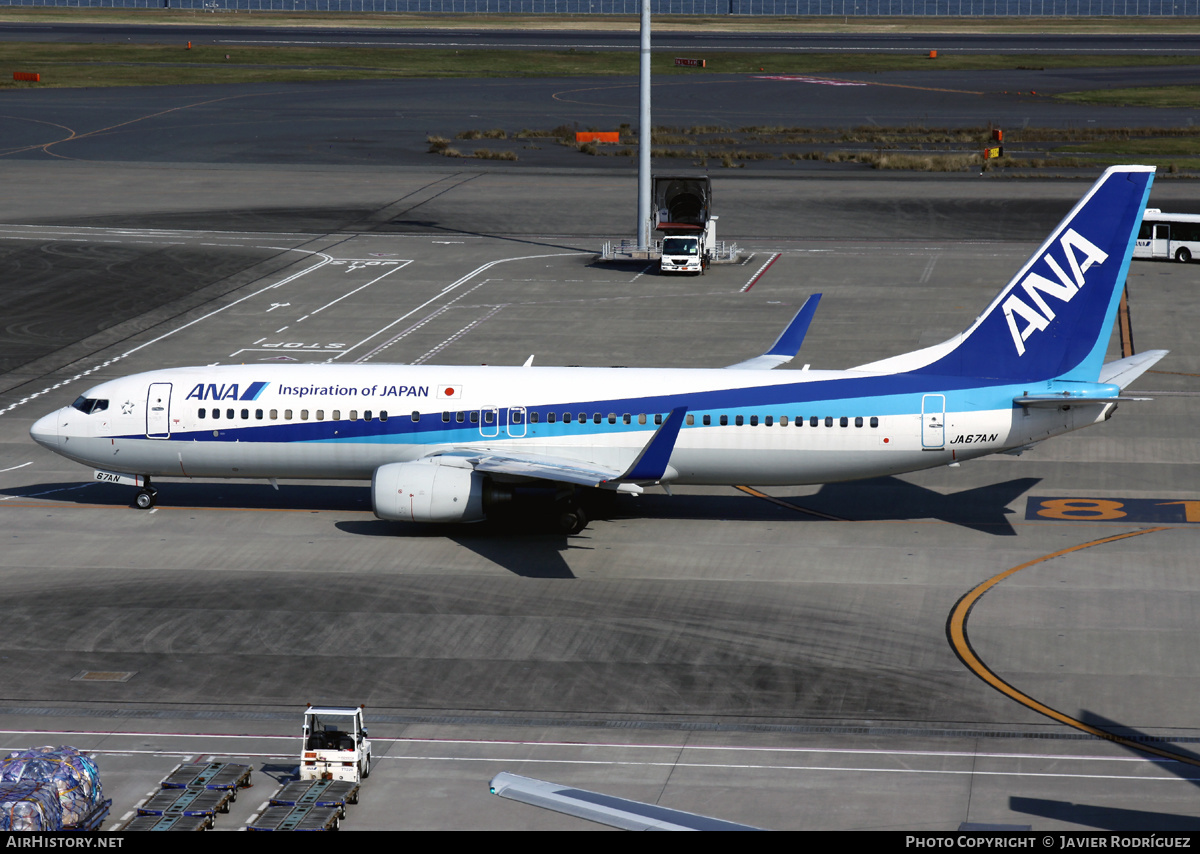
x,y
73,65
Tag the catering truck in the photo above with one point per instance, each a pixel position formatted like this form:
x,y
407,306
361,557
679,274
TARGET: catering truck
x,y
683,213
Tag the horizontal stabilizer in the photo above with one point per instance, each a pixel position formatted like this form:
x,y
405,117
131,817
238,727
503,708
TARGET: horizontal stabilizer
x,y
787,345
603,809
1124,371
1053,401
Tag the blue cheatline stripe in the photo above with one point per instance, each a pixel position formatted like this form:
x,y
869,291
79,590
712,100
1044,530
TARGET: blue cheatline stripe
x,y
803,401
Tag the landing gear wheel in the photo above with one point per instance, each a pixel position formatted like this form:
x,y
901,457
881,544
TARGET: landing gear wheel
x,y
146,499
1183,255
572,520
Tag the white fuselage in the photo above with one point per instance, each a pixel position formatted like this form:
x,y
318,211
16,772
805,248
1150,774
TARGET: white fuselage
x,y
344,422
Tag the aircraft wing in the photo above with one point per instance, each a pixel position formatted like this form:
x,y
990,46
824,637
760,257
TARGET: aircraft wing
x,y
601,808
648,467
787,345
535,466
1124,371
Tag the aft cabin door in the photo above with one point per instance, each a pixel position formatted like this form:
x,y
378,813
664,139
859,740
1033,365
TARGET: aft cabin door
x,y
158,411
933,422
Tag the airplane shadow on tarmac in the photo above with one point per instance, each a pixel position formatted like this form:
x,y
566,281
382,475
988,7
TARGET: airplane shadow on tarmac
x,y
522,537
1117,818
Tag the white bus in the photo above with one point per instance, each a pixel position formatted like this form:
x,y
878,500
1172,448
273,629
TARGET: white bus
x,y
1168,235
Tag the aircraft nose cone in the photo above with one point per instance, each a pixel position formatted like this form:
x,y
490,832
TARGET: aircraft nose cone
x,y
45,431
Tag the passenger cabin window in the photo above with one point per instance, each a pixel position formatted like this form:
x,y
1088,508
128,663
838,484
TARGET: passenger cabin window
x,y
383,415
534,417
287,415
738,420
416,416
274,414
874,421
858,422
724,420
245,414
366,415
707,420
445,417
201,413
691,419
354,415
813,421
474,417
460,417
658,418
258,415
216,413
320,414
551,417
844,421
229,414
303,414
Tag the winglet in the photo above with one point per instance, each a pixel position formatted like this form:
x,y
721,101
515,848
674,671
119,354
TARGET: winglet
x,y
651,463
787,345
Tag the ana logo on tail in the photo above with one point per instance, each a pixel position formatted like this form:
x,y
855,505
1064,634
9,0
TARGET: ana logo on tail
x,y
1064,289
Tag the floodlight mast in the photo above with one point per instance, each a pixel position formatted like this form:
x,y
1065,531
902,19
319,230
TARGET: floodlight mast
x,y
643,226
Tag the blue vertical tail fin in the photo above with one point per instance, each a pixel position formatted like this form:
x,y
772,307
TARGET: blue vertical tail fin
x,y
1055,317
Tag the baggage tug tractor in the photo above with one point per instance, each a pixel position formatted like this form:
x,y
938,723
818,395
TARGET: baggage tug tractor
x,y
335,746
682,205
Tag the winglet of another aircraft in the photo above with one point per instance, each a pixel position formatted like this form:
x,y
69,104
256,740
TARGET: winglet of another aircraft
x,y
787,345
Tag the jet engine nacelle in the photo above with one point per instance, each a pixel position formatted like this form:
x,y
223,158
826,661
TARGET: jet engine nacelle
x,y
427,492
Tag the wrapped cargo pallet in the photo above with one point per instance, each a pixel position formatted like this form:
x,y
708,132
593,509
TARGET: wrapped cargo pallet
x,y
29,806
68,771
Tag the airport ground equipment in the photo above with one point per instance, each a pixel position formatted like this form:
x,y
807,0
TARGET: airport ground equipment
x,y
335,744
177,822
216,776
320,793
191,796
51,788
308,805
189,802
683,213
297,818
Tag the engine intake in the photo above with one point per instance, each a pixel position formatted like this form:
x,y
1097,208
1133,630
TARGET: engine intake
x,y
424,491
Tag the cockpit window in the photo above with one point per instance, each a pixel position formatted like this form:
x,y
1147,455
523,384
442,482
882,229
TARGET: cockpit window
x,y
88,405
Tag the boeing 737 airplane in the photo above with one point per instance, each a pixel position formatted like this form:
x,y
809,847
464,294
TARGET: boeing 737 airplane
x,y
445,444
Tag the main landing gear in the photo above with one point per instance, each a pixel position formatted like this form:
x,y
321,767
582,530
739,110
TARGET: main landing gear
x,y
570,517
147,497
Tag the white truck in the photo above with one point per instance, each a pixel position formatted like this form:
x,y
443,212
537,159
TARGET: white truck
x,y
689,251
682,212
335,744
